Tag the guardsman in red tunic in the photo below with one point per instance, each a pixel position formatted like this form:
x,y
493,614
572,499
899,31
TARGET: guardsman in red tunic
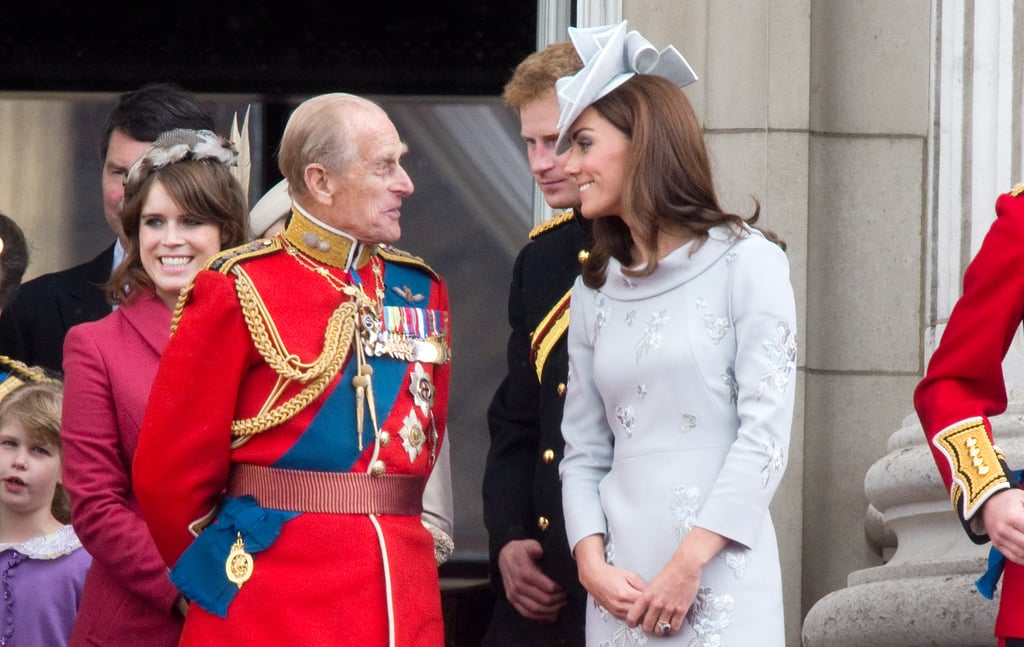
x,y
300,408
964,386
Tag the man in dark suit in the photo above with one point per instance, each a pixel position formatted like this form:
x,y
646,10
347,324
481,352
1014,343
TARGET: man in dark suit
x,y
33,327
539,600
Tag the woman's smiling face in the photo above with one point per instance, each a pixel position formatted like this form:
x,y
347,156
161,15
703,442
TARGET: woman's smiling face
x,y
597,162
173,245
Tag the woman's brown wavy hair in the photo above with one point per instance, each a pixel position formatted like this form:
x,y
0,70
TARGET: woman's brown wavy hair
x,y
668,185
206,190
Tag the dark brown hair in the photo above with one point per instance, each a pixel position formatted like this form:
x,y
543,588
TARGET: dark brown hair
x,y
13,259
668,185
152,109
206,190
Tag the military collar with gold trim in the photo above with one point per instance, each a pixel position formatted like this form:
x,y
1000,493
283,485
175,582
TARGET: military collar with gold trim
x,y
326,244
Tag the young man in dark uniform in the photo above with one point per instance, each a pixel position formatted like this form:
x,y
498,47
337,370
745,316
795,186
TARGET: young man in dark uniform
x,y
540,601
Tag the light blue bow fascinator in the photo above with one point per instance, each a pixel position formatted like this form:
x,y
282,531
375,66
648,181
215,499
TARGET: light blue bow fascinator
x,y
611,56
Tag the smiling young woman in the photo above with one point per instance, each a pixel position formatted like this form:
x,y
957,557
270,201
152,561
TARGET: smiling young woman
x,y
181,206
682,354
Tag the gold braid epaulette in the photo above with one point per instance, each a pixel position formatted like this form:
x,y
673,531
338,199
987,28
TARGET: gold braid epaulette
x,y
228,258
317,375
222,262
395,255
556,221
19,373
1017,190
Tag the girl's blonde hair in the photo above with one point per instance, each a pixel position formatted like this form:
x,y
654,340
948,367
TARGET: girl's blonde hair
x,y
36,406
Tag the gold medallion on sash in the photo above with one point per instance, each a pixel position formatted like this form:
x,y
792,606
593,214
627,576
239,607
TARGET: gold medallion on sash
x,y
239,565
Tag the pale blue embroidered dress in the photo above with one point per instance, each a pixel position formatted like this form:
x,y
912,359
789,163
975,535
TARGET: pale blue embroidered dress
x,y
678,413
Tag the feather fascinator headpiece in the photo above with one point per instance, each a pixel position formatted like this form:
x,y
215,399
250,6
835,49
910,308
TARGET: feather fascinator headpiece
x,y
610,58
178,145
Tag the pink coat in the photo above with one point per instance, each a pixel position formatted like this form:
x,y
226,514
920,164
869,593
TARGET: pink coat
x,y
109,367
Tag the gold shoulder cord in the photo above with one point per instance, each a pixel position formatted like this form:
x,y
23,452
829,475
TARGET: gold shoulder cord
x,y
179,305
317,375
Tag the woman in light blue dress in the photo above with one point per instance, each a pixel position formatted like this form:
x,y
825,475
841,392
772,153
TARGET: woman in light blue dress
x,y
682,368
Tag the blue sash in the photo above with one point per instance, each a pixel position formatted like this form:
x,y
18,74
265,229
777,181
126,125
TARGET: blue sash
x,y
200,572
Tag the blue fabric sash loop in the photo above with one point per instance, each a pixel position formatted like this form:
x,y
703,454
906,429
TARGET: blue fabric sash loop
x,y
986,584
200,574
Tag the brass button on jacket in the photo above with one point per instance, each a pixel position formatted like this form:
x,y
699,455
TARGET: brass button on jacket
x,y
378,468
543,524
583,256
548,455
561,389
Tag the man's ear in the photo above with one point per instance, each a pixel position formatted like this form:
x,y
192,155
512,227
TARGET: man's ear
x,y
318,183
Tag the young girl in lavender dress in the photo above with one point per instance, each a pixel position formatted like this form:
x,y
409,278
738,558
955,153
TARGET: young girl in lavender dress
x,y
42,563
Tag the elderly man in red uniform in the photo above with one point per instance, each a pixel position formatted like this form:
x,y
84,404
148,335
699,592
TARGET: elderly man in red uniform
x,y
963,387
300,407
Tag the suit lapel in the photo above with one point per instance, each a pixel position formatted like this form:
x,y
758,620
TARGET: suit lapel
x,y
151,318
84,299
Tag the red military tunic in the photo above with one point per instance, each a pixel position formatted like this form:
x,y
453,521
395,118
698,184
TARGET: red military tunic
x,y
250,349
964,385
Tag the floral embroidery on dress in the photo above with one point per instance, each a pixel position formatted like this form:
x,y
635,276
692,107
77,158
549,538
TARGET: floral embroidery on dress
x,y
626,637
689,421
422,389
774,461
684,506
600,314
627,418
412,435
628,282
729,377
716,327
651,338
709,615
630,317
735,558
702,303
730,257
641,390
609,549
781,351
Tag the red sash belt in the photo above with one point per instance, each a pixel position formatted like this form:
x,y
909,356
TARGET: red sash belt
x,y
328,492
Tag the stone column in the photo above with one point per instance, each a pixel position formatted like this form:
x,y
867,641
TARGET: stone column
x,y
924,593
